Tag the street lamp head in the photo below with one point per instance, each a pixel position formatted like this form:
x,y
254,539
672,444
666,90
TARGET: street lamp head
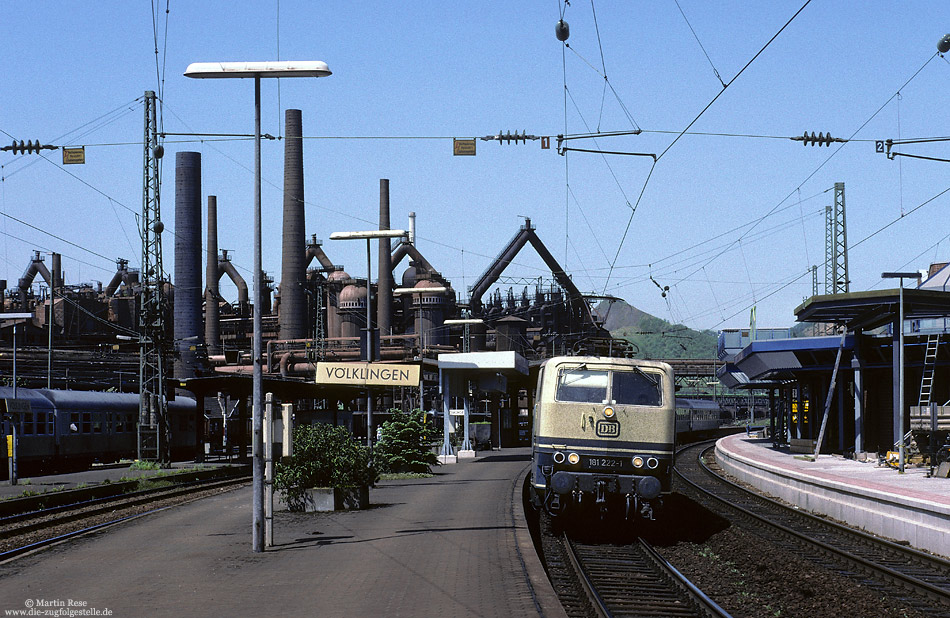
x,y
284,68
901,275
368,234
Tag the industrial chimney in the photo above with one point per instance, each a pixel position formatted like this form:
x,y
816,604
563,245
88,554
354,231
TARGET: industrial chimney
x,y
212,327
293,302
188,290
384,287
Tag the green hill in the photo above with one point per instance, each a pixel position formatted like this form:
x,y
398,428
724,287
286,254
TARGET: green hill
x,y
656,338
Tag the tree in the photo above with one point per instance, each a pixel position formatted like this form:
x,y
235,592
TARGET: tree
x,y
405,443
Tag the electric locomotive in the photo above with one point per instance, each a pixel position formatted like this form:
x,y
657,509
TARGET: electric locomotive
x,y
604,430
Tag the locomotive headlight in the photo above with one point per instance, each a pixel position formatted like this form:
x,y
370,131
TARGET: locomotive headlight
x,y
573,459
609,412
559,457
638,461
652,463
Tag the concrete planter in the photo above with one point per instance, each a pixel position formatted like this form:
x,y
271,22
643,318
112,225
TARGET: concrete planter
x,y
324,499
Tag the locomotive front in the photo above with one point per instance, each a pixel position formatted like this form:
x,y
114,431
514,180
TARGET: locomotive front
x,y
603,435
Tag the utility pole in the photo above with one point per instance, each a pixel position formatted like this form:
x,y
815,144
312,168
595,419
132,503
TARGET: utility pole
x,y
154,432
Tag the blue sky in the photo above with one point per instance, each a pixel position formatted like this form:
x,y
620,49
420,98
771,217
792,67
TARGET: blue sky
x,y
431,71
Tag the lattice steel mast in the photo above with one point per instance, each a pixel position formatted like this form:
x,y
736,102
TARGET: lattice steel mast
x,y
154,432
837,280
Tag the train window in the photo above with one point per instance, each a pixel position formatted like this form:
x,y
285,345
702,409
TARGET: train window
x,y
75,423
583,385
86,422
119,423
50,419
636,388
28,427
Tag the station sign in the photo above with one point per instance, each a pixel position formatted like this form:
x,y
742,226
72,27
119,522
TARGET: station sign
x,y
16,406
74,156
463,147
368,374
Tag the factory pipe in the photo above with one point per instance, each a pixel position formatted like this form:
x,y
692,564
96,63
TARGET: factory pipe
x,y
293,303
122,275
314,250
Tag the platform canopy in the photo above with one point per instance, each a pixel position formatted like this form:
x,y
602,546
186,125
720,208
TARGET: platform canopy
x,y
869,310
780,359
508,363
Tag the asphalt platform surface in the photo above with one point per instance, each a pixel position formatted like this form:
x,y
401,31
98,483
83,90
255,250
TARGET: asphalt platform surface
x,y
455,544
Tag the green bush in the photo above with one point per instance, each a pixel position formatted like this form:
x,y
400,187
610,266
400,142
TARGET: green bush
x,y
324,456
405,444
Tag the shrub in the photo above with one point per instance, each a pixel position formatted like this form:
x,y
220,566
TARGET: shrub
x,y
405,444
324,456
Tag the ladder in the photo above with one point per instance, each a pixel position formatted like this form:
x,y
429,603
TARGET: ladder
x,y
930,362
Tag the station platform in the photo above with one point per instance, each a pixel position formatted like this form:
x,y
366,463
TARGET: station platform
x,y
911,507
455,544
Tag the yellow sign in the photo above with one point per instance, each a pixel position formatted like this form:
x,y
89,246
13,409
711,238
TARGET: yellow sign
x,y
368,374
9,445
463,147
73,156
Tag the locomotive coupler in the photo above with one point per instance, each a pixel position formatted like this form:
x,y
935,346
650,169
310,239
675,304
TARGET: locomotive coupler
x,y
601,492
646,511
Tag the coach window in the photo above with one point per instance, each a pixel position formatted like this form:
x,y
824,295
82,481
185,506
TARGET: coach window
x,y
636,388
582,385
87,422
27,427
75,422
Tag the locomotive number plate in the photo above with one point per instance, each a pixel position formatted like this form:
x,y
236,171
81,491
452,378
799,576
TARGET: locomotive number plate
x,y
604,462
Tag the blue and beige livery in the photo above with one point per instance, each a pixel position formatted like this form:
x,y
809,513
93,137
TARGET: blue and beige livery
x,y
604,430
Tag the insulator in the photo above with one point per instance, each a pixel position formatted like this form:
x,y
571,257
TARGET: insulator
x,y
943,45
30,146
562,30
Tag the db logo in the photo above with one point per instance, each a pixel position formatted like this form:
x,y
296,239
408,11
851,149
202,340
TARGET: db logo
x,y
607,429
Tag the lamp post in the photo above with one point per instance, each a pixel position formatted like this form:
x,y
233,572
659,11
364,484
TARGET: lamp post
x,y
257,70
900,351
368,235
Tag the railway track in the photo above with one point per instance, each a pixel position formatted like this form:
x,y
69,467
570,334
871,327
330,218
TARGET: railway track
x,y
26,532
920,579
621,580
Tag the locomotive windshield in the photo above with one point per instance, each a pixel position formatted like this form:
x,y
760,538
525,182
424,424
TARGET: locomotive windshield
x,y
584,385
636,388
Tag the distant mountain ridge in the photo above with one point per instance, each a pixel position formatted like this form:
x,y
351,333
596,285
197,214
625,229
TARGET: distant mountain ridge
x,y
656,338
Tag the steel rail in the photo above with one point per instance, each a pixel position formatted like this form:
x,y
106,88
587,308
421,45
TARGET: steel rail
x,y
74,506
640,581
817,526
